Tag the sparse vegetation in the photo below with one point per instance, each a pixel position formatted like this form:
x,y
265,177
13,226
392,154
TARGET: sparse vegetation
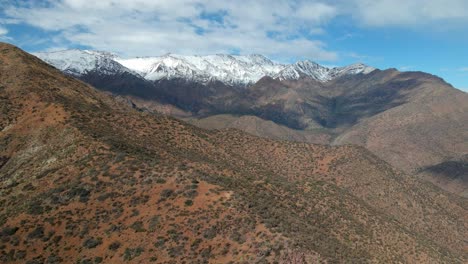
x,y
131,253
167,193
8,231
114,245
138,226
143,187
92,242
38,232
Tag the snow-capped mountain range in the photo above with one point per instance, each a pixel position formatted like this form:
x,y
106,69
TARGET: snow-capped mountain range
x,y
229,69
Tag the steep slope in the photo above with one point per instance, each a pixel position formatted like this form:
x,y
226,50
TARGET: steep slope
x,y
85,178
334,105
424,121
452,174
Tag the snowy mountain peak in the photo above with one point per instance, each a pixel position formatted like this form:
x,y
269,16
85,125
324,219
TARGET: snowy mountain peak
x,y
229,69
318,72
356,68
102,53
258,58
302,69
79,62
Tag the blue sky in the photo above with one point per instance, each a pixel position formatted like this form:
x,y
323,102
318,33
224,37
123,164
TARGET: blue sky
x,y
416,35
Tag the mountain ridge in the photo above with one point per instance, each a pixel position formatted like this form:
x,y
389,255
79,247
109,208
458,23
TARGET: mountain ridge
x,y
229,69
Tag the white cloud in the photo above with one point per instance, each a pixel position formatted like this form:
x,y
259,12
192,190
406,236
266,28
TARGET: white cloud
x,y
463,69
281,29
315,12
406,12
3,31
152,27
3,34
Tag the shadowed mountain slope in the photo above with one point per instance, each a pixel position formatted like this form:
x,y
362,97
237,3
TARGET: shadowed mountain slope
x,y
425,127
86,178
453,174
412,120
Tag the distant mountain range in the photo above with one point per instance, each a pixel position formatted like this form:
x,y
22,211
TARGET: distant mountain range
x,y
229,69
413,120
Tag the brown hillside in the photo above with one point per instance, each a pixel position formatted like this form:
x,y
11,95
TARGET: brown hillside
x,y
87,179
412,120
260,127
